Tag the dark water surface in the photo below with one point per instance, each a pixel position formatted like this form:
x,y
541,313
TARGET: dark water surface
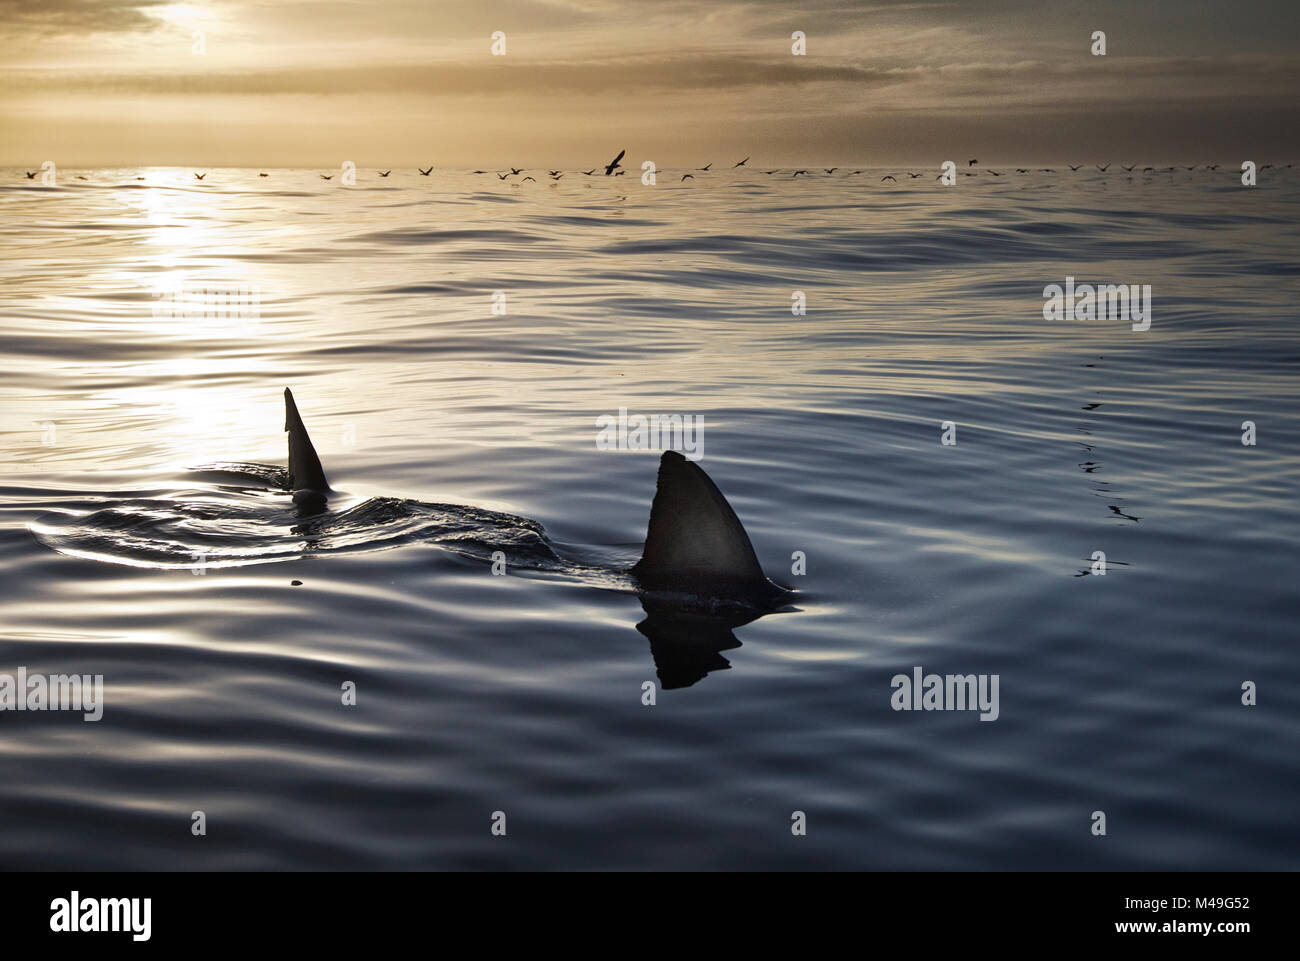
x,y
523,693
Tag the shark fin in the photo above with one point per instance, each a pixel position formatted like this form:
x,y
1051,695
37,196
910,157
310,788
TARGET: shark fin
x,y
305,472
695,542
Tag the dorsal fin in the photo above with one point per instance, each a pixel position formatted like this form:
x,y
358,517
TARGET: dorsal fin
x,y
696,542
305,472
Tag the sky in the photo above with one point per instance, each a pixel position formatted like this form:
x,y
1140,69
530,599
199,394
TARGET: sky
x,y
267,83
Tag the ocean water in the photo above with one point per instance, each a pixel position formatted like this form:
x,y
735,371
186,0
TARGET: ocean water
x,y
455,421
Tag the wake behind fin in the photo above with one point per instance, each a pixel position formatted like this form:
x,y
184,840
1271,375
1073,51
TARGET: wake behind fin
x,y
696,543
305,472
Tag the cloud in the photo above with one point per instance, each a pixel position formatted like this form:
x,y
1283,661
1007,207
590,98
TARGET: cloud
x,y
35,18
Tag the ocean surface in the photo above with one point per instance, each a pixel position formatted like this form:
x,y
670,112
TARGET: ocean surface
x,y
451,341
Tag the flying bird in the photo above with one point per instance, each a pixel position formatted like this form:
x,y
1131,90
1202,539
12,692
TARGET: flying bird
x,y
554,173
769,172
325,177
910,174
741,164
1129,168
887,177
200,176
613,164
31,174
618,173
830,170
797,173
995,173
423,172
1021,170
971,163
588,173
686,176
515,171
264,175
1074,167
384,173
502,176
1105,167
79,177
526,179
556,176
706,166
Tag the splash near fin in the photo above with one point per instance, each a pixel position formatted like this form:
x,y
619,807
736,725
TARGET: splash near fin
x,y
696,543
305,472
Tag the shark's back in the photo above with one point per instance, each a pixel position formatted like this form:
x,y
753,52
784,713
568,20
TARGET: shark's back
x,y
305,471
695,543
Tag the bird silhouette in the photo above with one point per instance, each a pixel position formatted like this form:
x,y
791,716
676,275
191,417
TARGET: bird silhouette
x,y
79,177
1021,170
830,170
526,179
995,173
478,171
516,171
31,174
554,173
502,176
423,172
1216,166
797,173
1147,170
1046,170
613,164
1192,167
200,176
619,173
769,172
914,176
887,177
971,163
556,176
855,173
1074,167
139,178
264,175
384,173
326,177
1104,167
686,176
1129,168
588,173
741,164
706,166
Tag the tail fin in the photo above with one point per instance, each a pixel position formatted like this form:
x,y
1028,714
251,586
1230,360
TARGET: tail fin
x,y
305,472
695,542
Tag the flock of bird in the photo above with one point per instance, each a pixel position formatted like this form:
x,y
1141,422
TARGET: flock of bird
x,y
615,169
